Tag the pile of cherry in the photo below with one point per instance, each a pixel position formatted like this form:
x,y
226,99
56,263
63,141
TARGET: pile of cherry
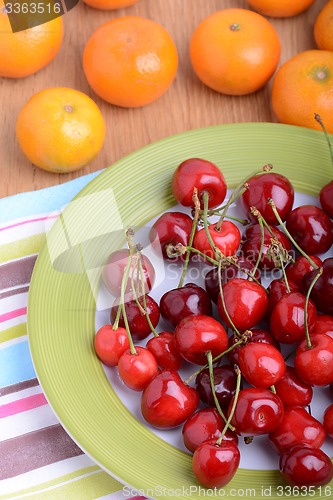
x,y
244,385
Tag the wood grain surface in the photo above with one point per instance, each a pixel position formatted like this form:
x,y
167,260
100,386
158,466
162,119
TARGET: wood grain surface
x,y
187,104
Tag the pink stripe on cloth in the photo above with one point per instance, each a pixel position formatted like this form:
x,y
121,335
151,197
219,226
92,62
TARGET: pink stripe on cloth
x,y
27,221
13,314
23,404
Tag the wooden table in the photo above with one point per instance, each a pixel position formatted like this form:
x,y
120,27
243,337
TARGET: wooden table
x,y
187,104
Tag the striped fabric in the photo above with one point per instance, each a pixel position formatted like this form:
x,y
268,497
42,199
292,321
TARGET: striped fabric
x,y
37,457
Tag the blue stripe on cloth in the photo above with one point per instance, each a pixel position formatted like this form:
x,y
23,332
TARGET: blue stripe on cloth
x,y
15,364
43,200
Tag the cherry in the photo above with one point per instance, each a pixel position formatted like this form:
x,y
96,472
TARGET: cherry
x,y
196,335
322,292
257,335
326,199
187,300
245,302
297,426
324,324
265,186
258,411
328,420
241,270
137,369
314,364
164,349
215,465
225,381
227,239
296,270
136,317
167,402
113,272
301,465
276,290
261,364
203,175
311,228
170,229
292,390
110,344
287,319
204,425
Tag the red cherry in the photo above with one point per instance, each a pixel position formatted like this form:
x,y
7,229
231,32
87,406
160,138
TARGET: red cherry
x,y
196,335
203,175
287,318
311,228
276,290
227,239
167,402
204,425
164,349
292,390
137,321
297,426
324,324
187,300
328,420
113,272
261,364
314,365
258,411
304,466
137,370
214,466
171,228
225,381
258,335
296,270
265,186
245,301
326,199
110,344
322,292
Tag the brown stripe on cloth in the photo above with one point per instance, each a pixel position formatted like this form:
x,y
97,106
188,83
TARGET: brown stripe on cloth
x,y
16,291
17,272
34,450
20,386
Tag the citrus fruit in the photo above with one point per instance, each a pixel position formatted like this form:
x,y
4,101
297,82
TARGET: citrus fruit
x,y
234,51
130,61
60,129
280,8
303,86
109,4
25,52
323,27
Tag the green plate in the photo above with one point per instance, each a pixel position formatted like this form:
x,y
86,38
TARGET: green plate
x,y
66,278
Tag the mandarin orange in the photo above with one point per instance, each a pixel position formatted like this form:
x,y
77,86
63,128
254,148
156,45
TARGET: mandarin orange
x,y
110,4
323,27
280,8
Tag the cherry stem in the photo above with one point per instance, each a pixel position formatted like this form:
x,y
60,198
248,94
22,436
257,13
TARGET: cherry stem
x,y
223,302
321,123
122,294
272,388
212,386
284,274
262,242
190,242
233,407
143,291
285,230
307,298
205,198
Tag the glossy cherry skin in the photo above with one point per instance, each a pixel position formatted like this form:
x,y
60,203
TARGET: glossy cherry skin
x,y
304,466
203,175
252,244
258,411
137,370
113,272
164,349
324,324
297,426
215,466
276,290
245,301
328,420
230,272
292,390
167,402
225,381
315,365
265,186
261,364
137,321
204,425
287,318
296,270
257,335
326,199
311,228
196,335
187,300
171,228
322,292
110,344
227,239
